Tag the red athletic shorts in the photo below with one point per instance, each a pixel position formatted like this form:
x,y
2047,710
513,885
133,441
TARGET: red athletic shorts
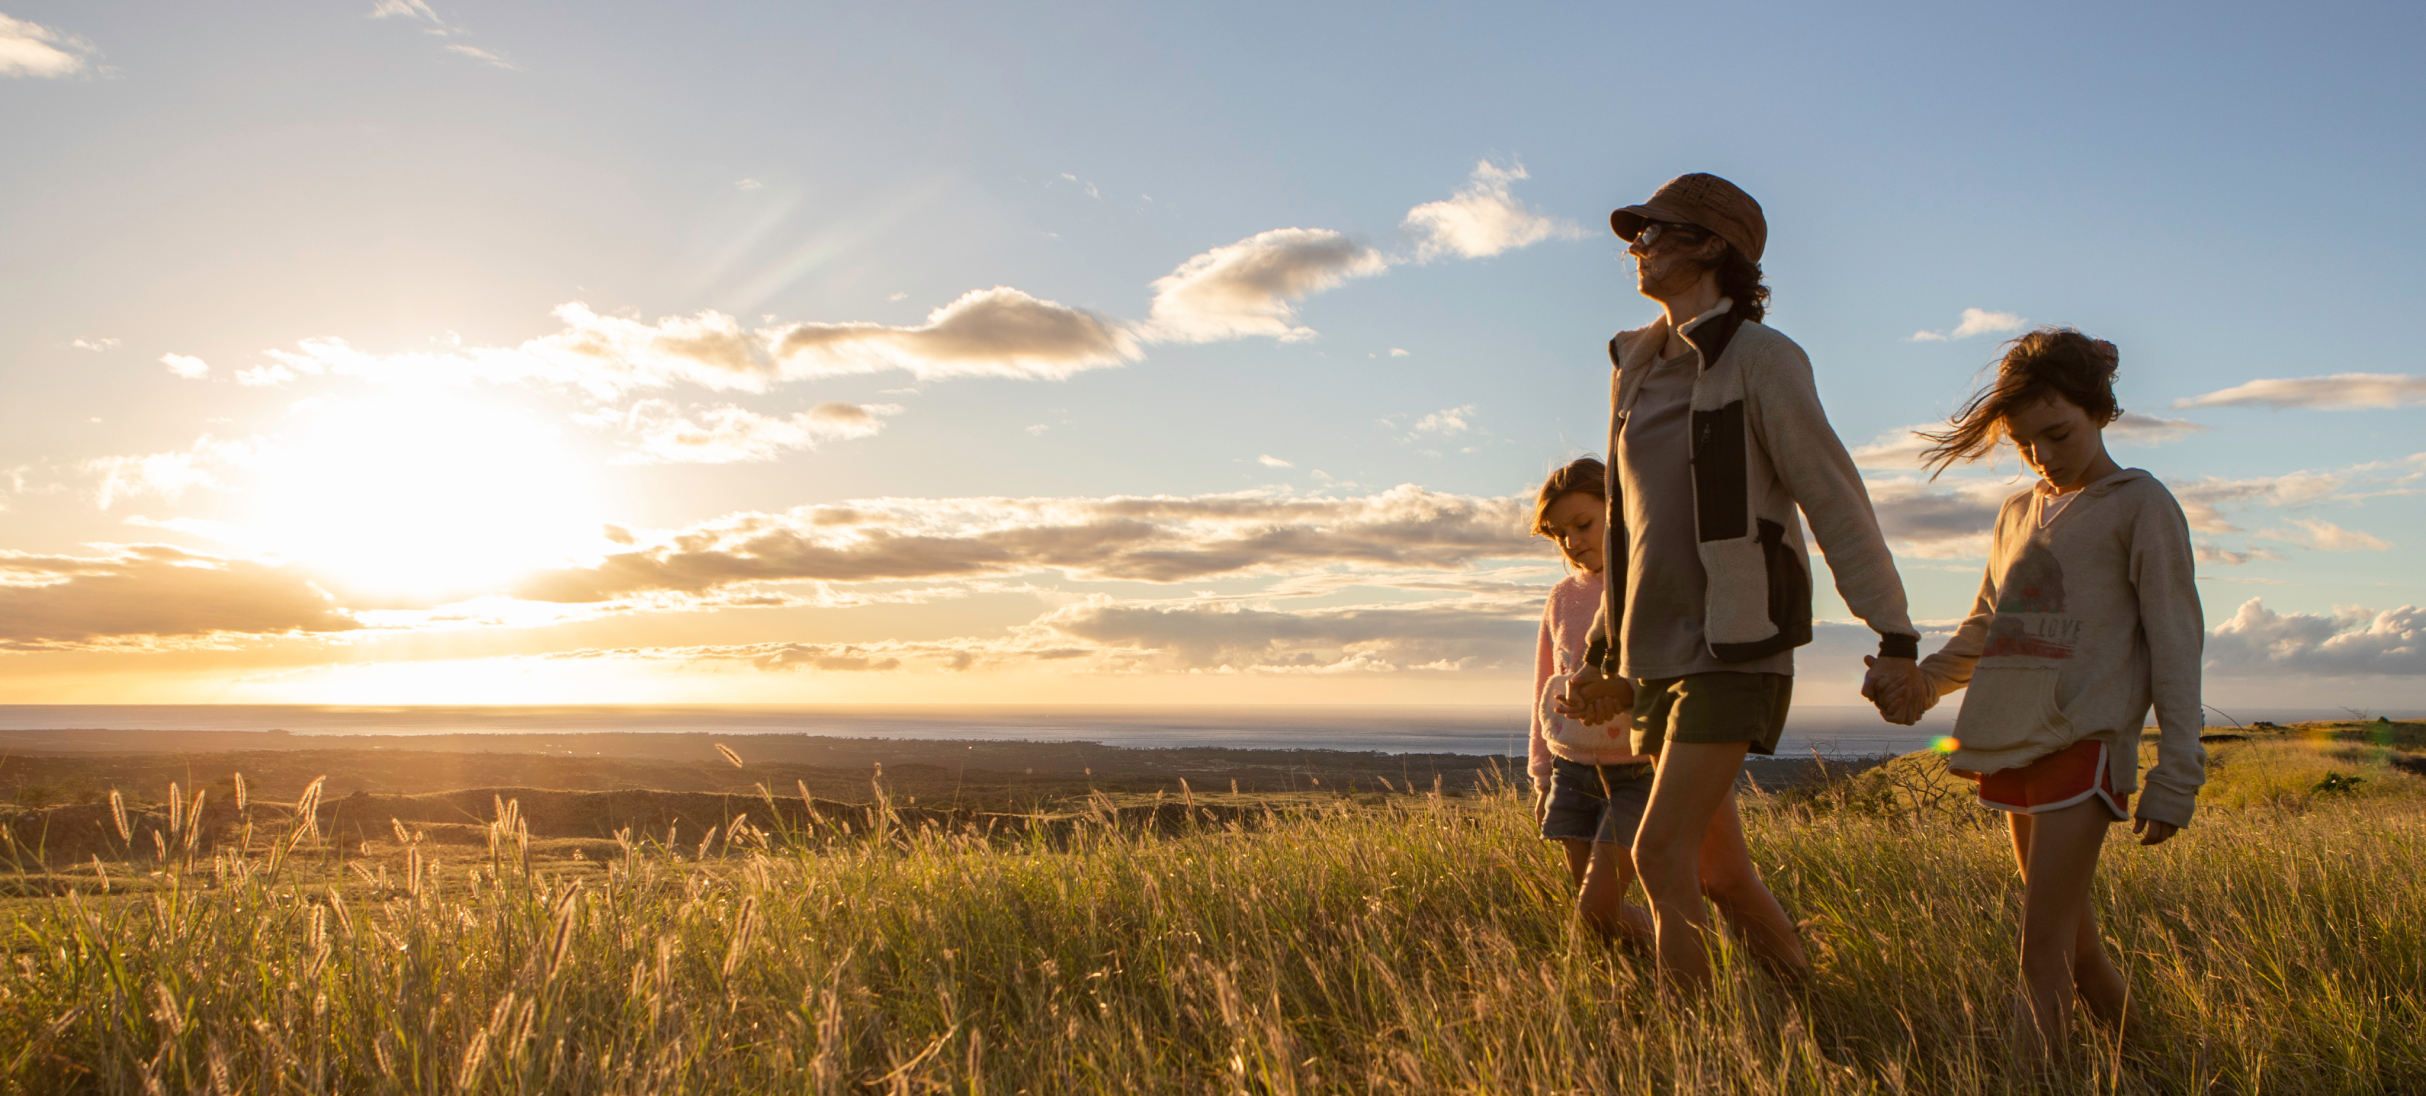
x,y
2068,776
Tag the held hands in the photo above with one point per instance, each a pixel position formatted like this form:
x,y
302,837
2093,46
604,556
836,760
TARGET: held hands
x,y
1901,690
2153,832
1594,700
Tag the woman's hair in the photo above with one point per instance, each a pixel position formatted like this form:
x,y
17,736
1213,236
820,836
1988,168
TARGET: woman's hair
x,y
1585,474
2049,362
1739,278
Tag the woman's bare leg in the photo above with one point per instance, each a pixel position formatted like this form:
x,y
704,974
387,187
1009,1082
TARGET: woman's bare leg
x,y
1734,885
2062,958
1694,781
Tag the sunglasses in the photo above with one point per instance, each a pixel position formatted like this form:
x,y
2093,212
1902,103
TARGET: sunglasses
x,y
1656,231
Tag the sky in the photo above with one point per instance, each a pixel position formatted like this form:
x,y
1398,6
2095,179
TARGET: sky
x,y
391,351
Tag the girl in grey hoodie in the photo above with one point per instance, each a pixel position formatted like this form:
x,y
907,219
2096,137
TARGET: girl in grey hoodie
x,y
2087,617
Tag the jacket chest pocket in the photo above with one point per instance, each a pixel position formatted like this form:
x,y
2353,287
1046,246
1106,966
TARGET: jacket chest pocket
x,y
1721,507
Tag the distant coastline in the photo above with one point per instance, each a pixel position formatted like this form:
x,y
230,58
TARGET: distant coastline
x,y
1497,729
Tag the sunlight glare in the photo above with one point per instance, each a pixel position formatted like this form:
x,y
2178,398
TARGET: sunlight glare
x,y
421,496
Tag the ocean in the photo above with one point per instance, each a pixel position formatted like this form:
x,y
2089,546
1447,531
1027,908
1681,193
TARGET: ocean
x,y
1834,732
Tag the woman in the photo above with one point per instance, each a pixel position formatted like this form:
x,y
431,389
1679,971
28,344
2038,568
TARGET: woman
x,y
1716,439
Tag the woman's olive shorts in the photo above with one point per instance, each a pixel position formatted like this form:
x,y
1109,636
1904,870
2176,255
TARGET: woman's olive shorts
x,y
1719,707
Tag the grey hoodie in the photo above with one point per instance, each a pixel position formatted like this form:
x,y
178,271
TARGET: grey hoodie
x,y
2079,626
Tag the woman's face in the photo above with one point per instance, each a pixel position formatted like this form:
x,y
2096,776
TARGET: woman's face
x,y
1673,263
1575,519
2057,441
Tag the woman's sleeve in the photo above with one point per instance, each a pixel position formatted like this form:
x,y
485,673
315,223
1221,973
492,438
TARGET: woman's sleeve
x,y
1537,749
2164,576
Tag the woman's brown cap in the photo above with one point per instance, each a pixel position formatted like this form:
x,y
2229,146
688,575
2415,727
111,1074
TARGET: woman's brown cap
x,y
1703,200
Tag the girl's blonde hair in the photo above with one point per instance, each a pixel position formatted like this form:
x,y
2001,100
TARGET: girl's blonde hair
x,y
2051,361
1585,474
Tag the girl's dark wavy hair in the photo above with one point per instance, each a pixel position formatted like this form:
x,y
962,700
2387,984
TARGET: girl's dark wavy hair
x,y
2051,361
1585,474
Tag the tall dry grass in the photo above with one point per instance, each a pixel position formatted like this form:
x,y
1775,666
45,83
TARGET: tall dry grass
x,y
1422,945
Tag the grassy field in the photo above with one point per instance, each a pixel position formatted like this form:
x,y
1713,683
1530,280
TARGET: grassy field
x,y
1408,942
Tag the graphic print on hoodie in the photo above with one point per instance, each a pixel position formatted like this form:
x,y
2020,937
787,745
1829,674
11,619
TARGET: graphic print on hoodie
x,y
2030,620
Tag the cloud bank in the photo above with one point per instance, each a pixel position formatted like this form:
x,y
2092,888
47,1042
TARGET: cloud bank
x,y
2339,392
2352,641
998,332
154,595
1160,539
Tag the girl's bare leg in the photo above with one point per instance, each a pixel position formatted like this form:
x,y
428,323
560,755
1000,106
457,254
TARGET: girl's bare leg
x,y
1601,898
1693,784
1735,887
2062,958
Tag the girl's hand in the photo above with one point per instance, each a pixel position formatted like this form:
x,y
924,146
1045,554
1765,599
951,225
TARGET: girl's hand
x,y
1594,700
1902,691
2153,832
1541,807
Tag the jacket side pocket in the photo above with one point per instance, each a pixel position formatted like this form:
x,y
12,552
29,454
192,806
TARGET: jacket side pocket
x,y
2012,708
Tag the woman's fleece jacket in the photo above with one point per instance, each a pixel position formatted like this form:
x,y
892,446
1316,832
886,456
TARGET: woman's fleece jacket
x,y
2079,626
1761,447
1566,619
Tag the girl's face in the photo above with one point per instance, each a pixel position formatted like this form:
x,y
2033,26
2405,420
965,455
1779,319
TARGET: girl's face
x,y
2058,442
1575,519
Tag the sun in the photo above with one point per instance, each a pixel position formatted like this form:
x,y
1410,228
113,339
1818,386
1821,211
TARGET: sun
x,y
425,497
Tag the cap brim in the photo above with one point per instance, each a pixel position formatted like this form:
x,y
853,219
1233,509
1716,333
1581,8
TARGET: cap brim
x,y
1628,222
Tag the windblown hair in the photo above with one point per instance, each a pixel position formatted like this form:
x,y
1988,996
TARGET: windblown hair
x,y
1740,278
1585,474
2055,362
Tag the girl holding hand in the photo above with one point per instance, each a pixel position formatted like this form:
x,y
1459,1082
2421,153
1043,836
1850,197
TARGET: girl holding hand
x,y
2087,616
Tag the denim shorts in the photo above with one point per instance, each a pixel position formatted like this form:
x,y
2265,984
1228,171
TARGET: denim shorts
x,y
1596,802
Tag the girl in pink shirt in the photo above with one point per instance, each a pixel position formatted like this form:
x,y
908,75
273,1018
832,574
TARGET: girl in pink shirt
x,y
1589,788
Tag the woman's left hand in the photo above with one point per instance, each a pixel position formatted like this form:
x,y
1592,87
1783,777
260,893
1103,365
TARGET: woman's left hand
x,y
2153,832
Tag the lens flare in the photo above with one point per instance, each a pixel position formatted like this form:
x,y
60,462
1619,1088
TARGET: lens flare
x,y
1945,744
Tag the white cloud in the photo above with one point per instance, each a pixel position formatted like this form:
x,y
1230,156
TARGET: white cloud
x,y
483,56
1483,219
31,49
2341,391
749,184
725,435
1895,450
410,9
2326,536
1395,352
1447,422
95,345
2211,553
1938,520
1090,187
2353,641
1251,287
2203,500
998,332
1975,321
1270,461
170,475
190,368
2134,428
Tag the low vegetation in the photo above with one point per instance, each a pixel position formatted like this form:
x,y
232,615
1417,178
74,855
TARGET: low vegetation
x,y
1409,942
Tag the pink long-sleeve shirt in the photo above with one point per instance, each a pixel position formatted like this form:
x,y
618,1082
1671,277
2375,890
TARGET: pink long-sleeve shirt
x,y
1566,624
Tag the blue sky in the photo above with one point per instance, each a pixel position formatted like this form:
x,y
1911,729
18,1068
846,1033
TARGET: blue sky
x,y
2226,192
